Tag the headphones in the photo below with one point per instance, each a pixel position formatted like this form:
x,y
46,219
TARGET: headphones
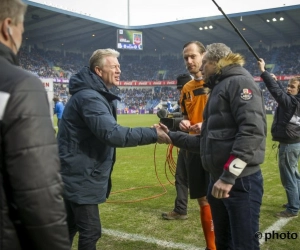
x,y
9,30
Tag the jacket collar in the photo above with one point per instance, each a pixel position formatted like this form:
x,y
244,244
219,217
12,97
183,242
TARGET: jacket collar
x,y
86,79
8,54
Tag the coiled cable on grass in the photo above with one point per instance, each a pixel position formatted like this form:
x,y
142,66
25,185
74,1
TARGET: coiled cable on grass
x,y
170,164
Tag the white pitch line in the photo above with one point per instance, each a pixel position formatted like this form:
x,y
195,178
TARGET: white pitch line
x,y
137,237
275,227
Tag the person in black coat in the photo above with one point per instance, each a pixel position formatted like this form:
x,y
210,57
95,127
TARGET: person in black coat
x,y
32,211
286,130
232,147
87,136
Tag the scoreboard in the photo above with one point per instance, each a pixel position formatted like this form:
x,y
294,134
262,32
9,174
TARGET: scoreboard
x,y
129,39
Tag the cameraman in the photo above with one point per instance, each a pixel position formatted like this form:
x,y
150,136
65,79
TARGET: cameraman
x,y
193,99
181,176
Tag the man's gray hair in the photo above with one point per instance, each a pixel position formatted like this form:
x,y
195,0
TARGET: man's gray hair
x,y
217,51
14,9
98,57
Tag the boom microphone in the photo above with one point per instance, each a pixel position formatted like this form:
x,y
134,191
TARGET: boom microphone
x,y
237,31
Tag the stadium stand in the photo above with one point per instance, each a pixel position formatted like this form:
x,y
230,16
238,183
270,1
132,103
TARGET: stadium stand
x,y
282,61
57,44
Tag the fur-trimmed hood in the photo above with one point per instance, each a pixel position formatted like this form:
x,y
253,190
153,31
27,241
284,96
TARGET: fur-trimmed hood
x,y
227,66
232,58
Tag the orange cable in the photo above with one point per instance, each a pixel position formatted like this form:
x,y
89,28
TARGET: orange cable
x,y
172,168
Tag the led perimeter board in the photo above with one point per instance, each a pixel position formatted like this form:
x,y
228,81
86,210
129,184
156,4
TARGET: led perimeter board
x,y
129,39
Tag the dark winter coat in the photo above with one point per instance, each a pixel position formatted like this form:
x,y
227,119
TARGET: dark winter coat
x,y
32,213
234,123
286,123
88,135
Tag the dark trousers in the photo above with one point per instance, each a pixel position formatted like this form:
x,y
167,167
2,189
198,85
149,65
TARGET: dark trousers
x,y
84,219
181,184
236,219
198,177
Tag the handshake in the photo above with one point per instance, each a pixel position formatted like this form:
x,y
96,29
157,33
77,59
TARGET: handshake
x,y
185,126
162,133
180,139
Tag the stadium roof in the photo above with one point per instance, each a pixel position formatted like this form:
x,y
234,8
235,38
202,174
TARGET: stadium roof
x,y
55,28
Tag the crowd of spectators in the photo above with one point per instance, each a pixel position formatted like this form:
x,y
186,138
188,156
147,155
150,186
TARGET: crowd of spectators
x,y
35,62
281,61
54,64
145,98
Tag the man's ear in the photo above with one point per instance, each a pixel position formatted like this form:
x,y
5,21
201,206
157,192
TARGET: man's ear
x,y
98,71
5,29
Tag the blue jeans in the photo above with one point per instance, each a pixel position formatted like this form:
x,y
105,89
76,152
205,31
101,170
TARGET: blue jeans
x,y
236,219
84,219
289,174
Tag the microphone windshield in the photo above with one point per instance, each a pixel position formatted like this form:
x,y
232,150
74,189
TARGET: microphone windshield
x,y
162,113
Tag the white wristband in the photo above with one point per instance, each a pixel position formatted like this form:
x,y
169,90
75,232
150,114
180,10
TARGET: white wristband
x,y
237,166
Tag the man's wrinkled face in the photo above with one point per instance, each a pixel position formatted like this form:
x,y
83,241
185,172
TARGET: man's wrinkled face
x,y
110,73
192,58
208,68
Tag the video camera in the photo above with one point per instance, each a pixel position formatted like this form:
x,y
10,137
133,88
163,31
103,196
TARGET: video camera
x,y
171,120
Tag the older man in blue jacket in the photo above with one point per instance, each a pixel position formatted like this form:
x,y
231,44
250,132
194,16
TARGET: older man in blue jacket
x,y
88,136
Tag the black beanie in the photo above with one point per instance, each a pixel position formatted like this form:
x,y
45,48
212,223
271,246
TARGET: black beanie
x,y
183,79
